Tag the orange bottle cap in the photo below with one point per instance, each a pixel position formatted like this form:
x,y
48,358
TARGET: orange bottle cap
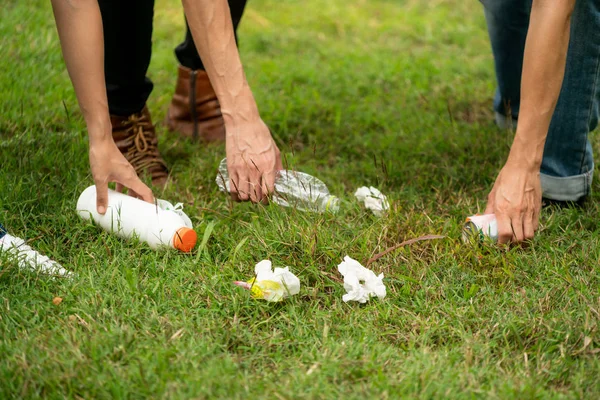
x,y
185,239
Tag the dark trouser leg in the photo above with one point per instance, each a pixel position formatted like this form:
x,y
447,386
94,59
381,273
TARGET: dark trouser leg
x,y
567,166
127,51
508,22
186,52
568,163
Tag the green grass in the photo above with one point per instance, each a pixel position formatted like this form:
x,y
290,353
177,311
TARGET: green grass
x,y
395,94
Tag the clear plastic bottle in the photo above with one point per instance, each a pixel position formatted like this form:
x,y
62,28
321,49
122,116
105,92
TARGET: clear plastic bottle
x,y
160,224
28,258
292,189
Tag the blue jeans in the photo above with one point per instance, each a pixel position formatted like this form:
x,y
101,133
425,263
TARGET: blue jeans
x,y
568,164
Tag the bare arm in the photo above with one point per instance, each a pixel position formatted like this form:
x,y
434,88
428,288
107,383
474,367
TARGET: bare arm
x,y
543,73
80,31
516,196
211,26
252,156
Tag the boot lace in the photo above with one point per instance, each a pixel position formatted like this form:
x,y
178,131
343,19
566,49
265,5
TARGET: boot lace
x,y
142,145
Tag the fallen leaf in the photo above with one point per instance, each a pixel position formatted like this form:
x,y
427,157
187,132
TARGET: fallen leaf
x,y
57,300
177,334
313,368
405,243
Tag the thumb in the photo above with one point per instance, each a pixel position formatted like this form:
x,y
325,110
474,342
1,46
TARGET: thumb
x,y
101,197
491,202
489,209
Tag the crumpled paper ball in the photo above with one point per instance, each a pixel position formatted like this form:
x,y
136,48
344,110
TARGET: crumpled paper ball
x,y
271,285
374,200
354,273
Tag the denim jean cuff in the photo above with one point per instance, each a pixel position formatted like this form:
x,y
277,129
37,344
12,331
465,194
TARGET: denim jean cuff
x,y
570,188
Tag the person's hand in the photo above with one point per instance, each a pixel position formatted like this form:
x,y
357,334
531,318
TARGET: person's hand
x,y
253,161
516,199
109,165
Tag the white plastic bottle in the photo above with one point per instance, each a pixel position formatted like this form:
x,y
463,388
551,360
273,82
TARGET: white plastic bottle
x,y
160,224
26,257
292,189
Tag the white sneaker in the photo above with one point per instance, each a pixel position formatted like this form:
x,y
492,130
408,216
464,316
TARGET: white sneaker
x,y
27,257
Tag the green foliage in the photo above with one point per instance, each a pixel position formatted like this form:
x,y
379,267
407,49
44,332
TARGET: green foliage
x,y
394,94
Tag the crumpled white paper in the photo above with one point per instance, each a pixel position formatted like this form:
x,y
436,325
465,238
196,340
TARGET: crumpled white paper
x,y
374,200
354,273
271,285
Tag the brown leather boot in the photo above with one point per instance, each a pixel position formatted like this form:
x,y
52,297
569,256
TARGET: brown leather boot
x,y
194,110
136,138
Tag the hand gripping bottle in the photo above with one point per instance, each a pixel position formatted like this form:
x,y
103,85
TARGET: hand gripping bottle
x,y
160,224
292,189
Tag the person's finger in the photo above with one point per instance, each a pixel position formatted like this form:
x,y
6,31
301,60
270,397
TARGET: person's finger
x,y
268,182
536,215
257,194
234,188
140,189
255,187
491,203
119,188
505,232
528,226
266,190
101,197
133,193
243,190
247,189
254,182
517,228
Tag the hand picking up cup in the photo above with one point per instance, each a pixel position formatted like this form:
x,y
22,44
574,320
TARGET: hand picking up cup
x,y
271,285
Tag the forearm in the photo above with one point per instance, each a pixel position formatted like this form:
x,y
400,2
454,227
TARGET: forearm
x,y
211,27
543,73
79,26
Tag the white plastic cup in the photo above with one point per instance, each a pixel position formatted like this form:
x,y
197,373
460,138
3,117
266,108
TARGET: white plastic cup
x,y
481,226
127,217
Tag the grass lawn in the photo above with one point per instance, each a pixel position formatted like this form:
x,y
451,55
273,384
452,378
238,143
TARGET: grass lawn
x,y
394,94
